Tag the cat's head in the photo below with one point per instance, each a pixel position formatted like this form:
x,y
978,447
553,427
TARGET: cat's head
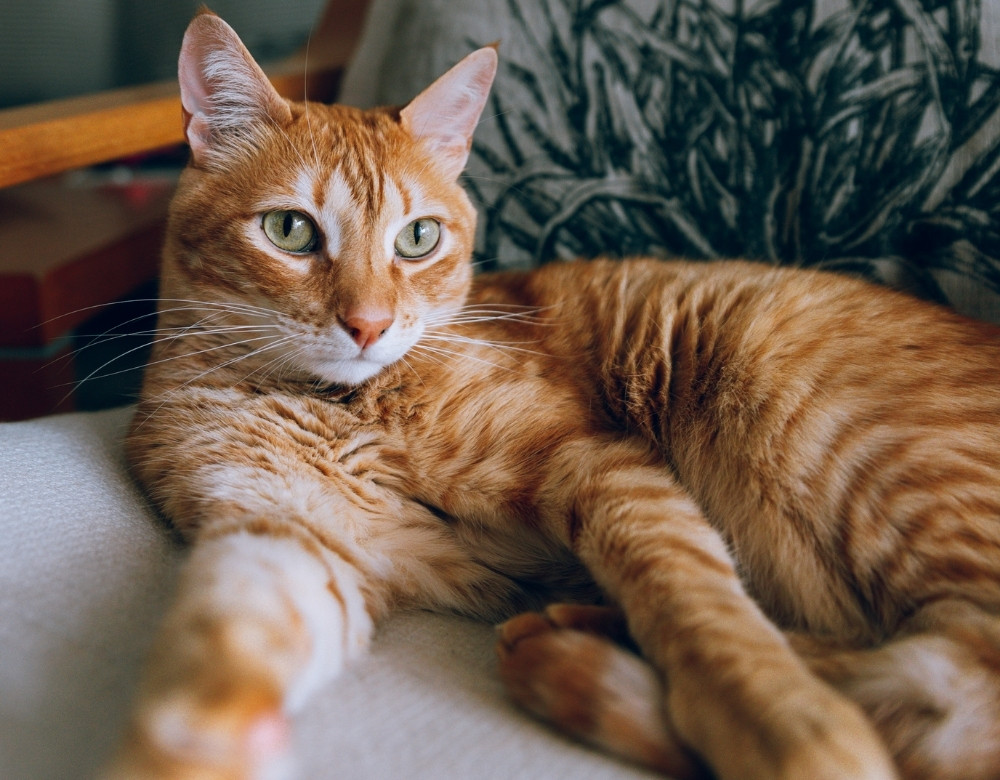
x,y
339,233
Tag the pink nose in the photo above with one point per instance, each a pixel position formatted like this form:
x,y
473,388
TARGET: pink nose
x,y
366,328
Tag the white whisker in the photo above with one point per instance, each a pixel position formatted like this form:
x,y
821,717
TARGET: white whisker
x,y
161,335
96,375
251,354
426,349
473,313
231,306
243,308
504,346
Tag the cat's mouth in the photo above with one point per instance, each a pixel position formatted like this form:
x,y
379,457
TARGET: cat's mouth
x,y
347,371
334,358
351,365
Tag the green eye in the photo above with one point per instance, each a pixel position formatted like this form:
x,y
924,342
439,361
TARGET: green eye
x,y
418,239
290,231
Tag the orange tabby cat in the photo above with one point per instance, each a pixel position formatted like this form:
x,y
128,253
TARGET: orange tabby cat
x,y
787,481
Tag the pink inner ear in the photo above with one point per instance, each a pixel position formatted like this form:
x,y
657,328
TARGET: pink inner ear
x,y
444,116
221,84
198,133
190,70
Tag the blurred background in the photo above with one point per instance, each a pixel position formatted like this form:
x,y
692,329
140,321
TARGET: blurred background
x,y
57,233
57,48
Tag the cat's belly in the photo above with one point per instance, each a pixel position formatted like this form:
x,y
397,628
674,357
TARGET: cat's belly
x,y
544,570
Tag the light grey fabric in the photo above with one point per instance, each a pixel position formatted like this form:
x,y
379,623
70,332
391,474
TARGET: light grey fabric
x,y
86,572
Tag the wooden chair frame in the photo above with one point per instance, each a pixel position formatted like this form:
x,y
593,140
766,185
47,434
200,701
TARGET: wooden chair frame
x,y
60,135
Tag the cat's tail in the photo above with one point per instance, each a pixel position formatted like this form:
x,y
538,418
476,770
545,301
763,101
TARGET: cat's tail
x,y
933,691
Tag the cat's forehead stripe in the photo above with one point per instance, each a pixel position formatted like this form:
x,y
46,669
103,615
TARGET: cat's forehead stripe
x,y
319,193
404,194
353,193
363,177
367,196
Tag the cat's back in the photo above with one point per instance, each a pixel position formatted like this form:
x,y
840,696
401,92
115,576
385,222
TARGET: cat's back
x,y
674,348
852,427
730,321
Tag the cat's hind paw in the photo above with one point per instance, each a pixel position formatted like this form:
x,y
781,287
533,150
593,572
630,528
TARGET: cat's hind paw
x,y
589,687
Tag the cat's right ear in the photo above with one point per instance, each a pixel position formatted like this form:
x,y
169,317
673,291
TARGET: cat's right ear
x,y
226,98
444,116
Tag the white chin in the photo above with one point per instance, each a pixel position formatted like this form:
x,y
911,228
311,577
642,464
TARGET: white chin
x,y
347,372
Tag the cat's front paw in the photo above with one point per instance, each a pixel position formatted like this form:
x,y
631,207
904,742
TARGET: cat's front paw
x,y
224,733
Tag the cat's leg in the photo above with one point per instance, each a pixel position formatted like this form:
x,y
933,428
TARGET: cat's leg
x,y
933,691
259,622
735,690
567,667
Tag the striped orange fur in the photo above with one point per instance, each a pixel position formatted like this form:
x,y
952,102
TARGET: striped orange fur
x,y
787,481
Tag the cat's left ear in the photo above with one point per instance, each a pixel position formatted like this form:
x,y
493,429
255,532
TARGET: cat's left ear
x,y
225,95
444,116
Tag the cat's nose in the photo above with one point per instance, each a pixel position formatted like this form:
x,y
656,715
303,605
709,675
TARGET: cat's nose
x,y
367,327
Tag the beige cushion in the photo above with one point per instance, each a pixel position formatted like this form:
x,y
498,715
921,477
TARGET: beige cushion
x,y
87,570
